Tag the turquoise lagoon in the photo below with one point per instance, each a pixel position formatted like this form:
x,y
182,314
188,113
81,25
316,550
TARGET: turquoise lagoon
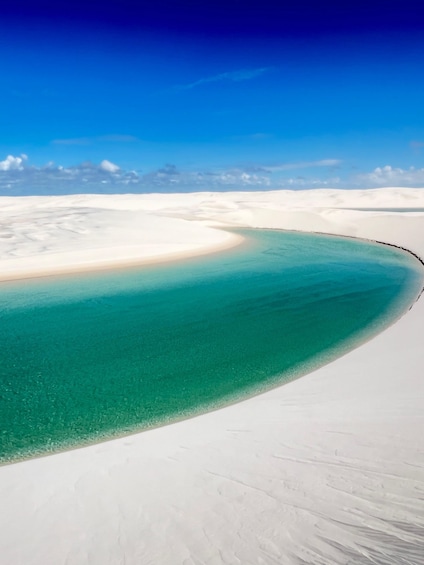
x,y
90,357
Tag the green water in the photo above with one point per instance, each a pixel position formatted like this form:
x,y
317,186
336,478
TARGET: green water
x,y
89,357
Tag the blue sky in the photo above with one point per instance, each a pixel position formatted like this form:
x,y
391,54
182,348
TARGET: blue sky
x,y
132,96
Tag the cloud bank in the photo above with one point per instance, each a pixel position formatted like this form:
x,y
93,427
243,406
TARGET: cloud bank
x,y
394,176
17,178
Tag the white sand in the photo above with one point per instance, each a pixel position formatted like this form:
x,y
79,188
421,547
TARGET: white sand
x,y
328,469
41,236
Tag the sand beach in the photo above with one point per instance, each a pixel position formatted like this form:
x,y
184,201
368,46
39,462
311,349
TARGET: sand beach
x,y
328,469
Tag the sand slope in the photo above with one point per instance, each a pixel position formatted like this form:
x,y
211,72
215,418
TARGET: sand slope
x,y
328,469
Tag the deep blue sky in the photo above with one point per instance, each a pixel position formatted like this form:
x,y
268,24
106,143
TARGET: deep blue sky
x,y
205,94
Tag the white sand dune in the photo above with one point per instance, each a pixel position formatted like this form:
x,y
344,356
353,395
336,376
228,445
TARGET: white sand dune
x,y
328,469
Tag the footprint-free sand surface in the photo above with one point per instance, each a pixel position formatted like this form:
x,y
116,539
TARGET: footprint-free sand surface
x,y
328,469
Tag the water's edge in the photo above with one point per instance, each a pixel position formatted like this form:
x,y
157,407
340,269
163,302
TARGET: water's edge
x,y
270,383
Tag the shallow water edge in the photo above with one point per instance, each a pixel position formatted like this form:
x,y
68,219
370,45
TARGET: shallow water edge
x,y
178,340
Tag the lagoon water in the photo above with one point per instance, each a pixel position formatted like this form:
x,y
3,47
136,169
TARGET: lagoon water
x,y
90,357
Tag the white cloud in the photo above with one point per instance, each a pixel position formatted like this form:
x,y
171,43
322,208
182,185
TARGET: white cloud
x,y
107,177
117,138
232,76
326,163
241,178
302,182
13,163
73,141
202,180
394,176
301,165
109,167
111,138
